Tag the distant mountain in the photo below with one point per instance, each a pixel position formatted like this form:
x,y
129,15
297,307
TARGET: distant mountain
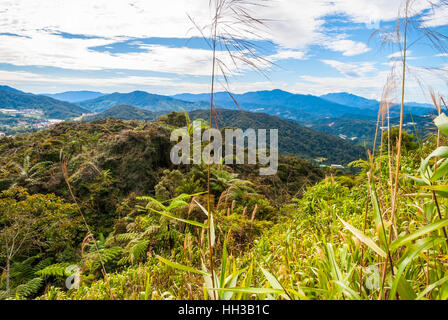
x,y
420,105
293,138
75,96
10,89
363,131
296,107
141,99
52,108
126,113
349,99
352,100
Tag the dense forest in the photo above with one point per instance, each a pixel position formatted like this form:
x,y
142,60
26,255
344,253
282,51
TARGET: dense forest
x,y
108,164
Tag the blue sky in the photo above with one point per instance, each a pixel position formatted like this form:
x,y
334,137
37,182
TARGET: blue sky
x,y
318,47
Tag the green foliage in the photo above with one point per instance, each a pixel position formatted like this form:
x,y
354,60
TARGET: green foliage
x,y
54,270
293,138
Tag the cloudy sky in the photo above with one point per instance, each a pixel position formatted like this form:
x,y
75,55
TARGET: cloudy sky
x,y
317,46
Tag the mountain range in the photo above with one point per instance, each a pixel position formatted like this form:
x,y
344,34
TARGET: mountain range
x,y
304,108
341,114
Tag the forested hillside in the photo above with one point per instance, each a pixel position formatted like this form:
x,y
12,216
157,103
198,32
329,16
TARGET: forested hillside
x,y
293,138
52,108
108,164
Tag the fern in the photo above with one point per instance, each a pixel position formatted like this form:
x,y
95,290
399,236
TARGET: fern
x,y
54,270
93,261
3,294
138,250
29,288
122,238
42,265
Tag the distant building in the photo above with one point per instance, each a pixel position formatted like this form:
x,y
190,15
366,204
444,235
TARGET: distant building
x,y
337,166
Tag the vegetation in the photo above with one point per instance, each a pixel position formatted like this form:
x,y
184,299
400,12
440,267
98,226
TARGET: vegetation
x,y
140,99
95,210
293,138
125,113
52,108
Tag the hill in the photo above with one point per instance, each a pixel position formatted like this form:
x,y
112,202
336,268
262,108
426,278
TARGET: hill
x,y
293,138
52,108
362,131
349,99
75,96
126,113
10,89
141,99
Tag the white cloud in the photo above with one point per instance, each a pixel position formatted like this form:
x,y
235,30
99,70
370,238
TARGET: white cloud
x,y
436,17
351,69
296,24
347,47
287,54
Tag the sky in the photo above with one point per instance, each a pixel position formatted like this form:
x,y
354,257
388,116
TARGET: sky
x,y
315,47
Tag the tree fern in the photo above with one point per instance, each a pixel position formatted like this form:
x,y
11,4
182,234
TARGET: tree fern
x,y
93,262
54,270
139,250
29,288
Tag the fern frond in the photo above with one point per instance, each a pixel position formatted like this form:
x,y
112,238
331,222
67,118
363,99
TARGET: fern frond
x,y
54,270
29,288
138,251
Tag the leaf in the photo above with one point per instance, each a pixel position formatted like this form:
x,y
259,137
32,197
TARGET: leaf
x,y
441,152
421,181
363,238
421,232
405,290
273,281
212,231
408,257
202,208
194,223
151,200
379,223
181,266
348,290
442,123
432,287
223,264
441,171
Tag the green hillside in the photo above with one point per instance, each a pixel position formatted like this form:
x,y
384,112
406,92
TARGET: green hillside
x,y
141,99
293,138
51,108
126,113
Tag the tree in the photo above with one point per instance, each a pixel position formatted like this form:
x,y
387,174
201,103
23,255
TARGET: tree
x,y
26,173
408,142
31,224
